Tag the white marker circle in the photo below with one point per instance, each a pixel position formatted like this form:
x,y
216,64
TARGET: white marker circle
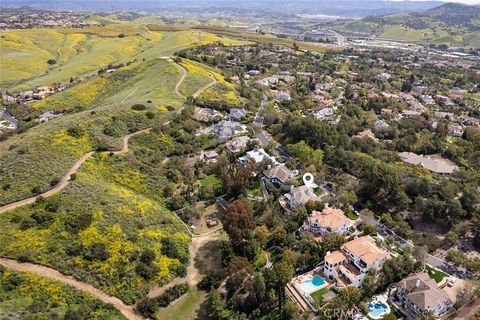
x,y
308,179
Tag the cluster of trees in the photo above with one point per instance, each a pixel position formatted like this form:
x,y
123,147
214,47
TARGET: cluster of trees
x,y
148,307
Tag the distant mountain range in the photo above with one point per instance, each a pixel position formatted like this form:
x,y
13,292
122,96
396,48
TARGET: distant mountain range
x,y
343,8
452,24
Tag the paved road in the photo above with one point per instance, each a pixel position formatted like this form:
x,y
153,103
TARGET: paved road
x,y
53,274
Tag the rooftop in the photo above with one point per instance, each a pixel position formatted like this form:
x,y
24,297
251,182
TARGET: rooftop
x,y
423,291
365,249
329,217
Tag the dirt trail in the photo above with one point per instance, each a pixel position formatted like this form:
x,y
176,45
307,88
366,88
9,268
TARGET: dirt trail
x,y
53,274
66,178
205,87
193,274
180,81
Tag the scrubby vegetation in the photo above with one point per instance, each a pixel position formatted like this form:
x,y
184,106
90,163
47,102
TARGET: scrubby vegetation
x,y
27,296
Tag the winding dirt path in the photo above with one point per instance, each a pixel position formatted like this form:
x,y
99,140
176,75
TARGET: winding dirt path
x,y
66,178
205,87
193,274
180,81
53,274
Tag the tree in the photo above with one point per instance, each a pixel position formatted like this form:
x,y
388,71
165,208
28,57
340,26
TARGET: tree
x,y
452,237
350,296
283,272
218,307
370,283
238,220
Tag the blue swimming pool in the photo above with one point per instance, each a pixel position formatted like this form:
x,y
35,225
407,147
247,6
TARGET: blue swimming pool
x,y
377,310
312,284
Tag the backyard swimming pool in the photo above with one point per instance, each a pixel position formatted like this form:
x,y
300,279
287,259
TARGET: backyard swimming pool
x,y
312,284
378,309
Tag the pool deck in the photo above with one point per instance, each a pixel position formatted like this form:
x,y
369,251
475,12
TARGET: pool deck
x,y
303,299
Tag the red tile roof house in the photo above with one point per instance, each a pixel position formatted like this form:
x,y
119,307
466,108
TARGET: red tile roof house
x,y
328,220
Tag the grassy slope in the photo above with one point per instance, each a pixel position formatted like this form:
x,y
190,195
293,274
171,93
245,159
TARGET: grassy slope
x,y
177,40
127,217
197,77
433,31
30,291
78,52
46,151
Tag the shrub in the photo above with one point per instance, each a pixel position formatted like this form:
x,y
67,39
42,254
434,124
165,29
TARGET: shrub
x,y
36,190
73,176
51,61
138,107
148,307
121,35
150,115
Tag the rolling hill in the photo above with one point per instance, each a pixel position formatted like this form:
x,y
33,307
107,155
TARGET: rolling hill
x,y
451,24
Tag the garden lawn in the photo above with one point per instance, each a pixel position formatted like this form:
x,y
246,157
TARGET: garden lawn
x,y
317,295
435,274
189,306
211,180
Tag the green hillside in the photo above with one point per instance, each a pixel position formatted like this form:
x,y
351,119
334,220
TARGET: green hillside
x,y
450,24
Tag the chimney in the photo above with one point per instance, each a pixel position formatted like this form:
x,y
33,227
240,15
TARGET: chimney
x,y
417,283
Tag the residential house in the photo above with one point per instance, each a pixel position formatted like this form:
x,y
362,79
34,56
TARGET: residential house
x,y
282,95
47,116
7,121
280,174
365,134
445,115
210,156
384,76
237,144
237,114
206,115
380,124
300,195
455,130
350,264
419,294
268,81
426,99
259,155
328,220
432,163
226,128
324,86
446,101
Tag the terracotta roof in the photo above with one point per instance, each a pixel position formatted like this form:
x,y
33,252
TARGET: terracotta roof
x,y
423,291
329,217
335,257
366,249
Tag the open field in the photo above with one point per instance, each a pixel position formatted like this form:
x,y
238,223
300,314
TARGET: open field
x,y
173,41
255,37
21,295
24,53
197,77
